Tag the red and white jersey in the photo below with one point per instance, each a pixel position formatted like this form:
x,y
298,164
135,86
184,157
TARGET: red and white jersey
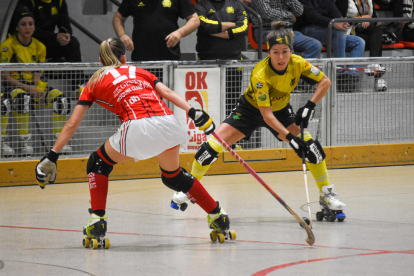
x,y
128,92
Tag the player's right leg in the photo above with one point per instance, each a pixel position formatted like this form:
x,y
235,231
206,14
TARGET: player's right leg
x,y
204,157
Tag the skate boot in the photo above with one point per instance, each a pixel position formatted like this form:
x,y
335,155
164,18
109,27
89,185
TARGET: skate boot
x,y
66,148
331,206
26,145
6,150
179,201
95,231
220,223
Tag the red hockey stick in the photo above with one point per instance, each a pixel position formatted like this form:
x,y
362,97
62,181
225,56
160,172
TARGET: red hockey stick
x,y
311,238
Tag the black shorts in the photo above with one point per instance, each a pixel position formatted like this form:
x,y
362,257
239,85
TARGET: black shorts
x,y
246,118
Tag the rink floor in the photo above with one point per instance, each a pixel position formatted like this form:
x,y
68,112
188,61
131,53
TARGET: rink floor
x,y
40,230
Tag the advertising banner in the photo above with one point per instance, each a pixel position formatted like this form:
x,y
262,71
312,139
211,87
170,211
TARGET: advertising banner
x,y
200,87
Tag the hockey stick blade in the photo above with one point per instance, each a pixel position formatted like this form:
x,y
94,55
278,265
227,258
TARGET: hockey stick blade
x,y
311,238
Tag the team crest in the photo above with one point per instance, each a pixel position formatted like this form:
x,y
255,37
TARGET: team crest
x,y
261,96
166,3
141,4
54,10
292,82
315,71
259,85
230,10
5,49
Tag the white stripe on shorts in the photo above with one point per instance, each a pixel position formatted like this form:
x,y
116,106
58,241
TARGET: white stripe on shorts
x,y
147,137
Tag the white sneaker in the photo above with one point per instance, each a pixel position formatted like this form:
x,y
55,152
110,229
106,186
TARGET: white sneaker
x,y
179,201
6,150
328,199
66,148
380,85
26,144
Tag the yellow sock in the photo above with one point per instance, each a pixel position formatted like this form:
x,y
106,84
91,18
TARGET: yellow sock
x,y
58,122
199,171
318,171
4,123
22,120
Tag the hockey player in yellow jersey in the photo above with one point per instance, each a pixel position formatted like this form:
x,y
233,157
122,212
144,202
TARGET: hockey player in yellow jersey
x,y
266,103
21,89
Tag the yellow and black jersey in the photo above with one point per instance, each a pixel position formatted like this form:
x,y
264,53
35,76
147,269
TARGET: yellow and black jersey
x,y
269,87
12,51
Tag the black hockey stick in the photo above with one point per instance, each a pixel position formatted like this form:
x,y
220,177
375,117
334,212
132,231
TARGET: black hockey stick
x,y
311,238
42,139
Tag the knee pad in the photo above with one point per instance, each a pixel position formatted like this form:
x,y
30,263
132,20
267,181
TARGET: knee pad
x,y
182,182
21,101
315,154
206,155
5,105
97,165
61,105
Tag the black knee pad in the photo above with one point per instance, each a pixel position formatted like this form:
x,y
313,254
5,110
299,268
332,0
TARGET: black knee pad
x,y
315,153
21,101
61,105
182,182
97,165
206,155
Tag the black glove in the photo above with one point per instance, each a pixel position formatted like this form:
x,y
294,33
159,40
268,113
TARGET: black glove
x,y
202,120
297,144
305,114
47,165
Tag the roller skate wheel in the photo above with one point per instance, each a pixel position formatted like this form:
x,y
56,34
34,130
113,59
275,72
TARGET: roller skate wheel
x,y
106,243
183,206
220,237
86,242
319,216
213,236
331,218
94,243
232,234
174,206
341,217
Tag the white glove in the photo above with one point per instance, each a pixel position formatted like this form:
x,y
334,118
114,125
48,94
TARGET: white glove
x,y
46,166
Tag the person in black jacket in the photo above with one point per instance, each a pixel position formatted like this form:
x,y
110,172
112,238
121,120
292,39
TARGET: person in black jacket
x,y
223,27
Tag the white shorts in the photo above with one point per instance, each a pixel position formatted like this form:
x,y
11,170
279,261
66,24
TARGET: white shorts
x,y
147,137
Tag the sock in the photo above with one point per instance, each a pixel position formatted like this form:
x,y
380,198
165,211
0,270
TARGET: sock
x,y
58,122
199,195
98,184
22,121
199,171
4,123
318,171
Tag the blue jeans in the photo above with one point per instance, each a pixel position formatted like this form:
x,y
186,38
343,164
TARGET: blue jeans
x,y
341,41
311,48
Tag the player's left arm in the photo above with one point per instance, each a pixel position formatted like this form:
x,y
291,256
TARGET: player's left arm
x,y
192,23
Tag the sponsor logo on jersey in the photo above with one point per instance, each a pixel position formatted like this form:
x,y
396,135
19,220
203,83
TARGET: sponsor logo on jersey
x,y
54,10
261,96
212,11
236,116
4,60
34,58
166,4
292,82
259,85
315,71
5,49
230,10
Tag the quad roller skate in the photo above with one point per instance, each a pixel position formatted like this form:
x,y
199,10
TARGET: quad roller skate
x,y
220,223
179,201
95,231
331,206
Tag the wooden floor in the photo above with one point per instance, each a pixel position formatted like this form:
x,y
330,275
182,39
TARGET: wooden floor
x,y
40,230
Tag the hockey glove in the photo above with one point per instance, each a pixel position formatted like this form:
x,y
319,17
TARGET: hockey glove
x,y
46,166
305,114
202,120
316,154
297,144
